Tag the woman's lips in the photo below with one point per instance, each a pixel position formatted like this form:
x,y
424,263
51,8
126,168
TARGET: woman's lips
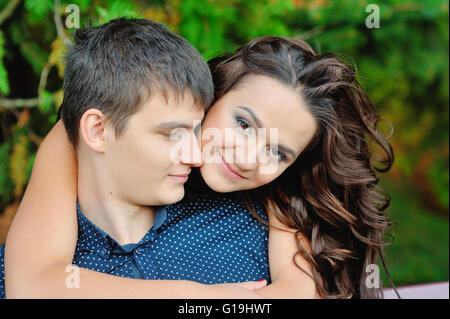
x,y
229,171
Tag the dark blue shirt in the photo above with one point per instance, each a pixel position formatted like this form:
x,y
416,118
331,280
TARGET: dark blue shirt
x,y
205,238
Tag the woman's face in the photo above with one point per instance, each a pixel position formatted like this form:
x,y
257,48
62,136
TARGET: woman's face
x,y
253,133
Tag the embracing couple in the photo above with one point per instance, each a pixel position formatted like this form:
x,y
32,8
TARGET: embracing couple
x,y
157,182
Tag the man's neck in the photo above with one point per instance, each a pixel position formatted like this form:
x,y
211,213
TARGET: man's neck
x,y
125,222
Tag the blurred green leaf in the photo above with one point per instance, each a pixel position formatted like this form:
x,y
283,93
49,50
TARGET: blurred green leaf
x,y
46,102
4,84
38,8
6,183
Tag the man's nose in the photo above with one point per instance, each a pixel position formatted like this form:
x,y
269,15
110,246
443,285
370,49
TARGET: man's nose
x,y
191,153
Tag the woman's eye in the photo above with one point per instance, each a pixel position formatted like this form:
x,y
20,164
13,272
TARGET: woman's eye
x,y
243,124
277,154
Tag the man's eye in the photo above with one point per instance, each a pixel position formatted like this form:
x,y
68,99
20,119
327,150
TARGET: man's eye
x,y
174,134
168,134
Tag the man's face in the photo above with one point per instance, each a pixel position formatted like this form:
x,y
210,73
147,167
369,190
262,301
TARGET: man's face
x,y
146,164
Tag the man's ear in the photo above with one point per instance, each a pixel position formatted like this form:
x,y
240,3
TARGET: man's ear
x,y
92,130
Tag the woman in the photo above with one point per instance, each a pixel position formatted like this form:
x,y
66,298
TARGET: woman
x,y
323,186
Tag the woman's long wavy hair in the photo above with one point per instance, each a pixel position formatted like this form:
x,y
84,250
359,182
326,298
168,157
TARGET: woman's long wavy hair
x,y
330,194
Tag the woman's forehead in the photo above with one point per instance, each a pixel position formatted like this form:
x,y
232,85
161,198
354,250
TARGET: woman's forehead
x,y
275,105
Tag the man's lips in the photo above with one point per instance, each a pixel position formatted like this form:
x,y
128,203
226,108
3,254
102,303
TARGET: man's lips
x,y
182,177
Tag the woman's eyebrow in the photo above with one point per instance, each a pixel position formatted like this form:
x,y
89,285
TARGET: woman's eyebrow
x,y
252,114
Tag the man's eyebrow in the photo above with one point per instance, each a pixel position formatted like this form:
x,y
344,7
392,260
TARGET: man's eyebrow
x,y
252,114
173,124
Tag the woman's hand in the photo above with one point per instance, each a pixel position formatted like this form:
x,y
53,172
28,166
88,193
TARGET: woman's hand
x,y
243,290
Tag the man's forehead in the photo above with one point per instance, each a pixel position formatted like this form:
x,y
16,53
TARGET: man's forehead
x,y
158,97
158,109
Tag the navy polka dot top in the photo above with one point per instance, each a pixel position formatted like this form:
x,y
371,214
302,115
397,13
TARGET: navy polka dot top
x,y
210,238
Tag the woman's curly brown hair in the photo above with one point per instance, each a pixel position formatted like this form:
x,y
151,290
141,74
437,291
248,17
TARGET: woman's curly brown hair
x,y
330,194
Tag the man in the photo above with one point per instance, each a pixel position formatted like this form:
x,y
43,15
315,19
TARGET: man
x,y
128,85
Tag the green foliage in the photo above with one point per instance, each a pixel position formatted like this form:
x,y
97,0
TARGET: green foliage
x,y
18,163
38,8
4,85
214,27
46,102
82,4
420,250
6,183
116,9
22,36
440,181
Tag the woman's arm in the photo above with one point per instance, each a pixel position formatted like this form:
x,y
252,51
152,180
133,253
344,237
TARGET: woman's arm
x,y
44,230
288,281
42,239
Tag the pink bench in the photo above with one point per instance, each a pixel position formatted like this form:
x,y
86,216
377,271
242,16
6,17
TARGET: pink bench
x,y
438,290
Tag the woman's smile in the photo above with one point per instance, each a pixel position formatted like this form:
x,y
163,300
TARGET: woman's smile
x,y
228,170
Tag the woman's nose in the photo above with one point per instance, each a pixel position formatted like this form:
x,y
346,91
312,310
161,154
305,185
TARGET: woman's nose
x,y
247,157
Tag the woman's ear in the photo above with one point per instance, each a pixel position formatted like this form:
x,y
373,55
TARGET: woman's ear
x,y
92,130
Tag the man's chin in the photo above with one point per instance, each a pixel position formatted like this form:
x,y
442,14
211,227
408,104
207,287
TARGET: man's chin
x,y
174,195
